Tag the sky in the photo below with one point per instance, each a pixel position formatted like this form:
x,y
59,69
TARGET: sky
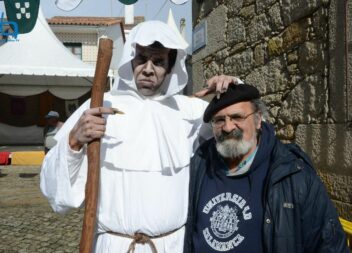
x,y
151,9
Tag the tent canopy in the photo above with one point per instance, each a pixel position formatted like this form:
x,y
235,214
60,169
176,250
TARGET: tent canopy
x,y
38,61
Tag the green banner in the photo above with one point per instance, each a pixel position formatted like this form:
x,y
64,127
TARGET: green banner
x,y
22,12
128,2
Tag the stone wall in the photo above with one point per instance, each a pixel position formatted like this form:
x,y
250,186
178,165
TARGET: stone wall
x,y
294,52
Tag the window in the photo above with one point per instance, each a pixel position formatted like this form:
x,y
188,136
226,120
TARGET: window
x,y
75,48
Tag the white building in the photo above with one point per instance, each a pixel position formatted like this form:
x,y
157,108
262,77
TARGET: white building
x,y
81,35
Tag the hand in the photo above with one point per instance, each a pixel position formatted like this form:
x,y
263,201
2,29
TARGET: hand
x,y
218,85
90,126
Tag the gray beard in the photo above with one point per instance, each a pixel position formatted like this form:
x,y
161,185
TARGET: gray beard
x,y
235,146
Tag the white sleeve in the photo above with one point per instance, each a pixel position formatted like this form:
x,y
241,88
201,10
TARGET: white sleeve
x,y
64,171
205,131
194,110
63,177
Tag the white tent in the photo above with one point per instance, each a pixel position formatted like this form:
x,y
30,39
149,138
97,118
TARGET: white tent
x,y
38,62
35,63
171,22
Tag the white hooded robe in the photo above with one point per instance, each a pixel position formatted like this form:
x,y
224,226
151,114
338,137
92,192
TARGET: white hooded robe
x,y
145,155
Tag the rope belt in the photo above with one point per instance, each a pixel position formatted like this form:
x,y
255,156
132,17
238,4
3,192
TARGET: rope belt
x,y
140,238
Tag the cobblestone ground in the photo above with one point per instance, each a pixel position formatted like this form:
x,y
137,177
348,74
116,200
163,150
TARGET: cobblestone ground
x,y
27,223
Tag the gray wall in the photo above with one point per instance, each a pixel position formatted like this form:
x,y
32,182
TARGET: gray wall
x,y
295,53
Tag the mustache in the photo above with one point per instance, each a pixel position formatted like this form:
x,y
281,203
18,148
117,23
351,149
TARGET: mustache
x,y
236,134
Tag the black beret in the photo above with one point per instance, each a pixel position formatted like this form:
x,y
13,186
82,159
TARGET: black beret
x,y
234,94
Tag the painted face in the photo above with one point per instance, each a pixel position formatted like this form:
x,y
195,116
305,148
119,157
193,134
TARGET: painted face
x,y
235,130
150,67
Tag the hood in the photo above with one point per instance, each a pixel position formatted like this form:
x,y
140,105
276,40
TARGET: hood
x,y
266,145
145,34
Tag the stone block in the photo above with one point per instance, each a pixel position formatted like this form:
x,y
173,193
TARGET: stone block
x,y
339,186
273,112
275,19
236,31
292,57
295,34
198,77
271,120
209,6
234,6
329,146
293,10
292,69
221,55
237,48
275,46
211,69
287,132
246,2
270,78
262,5
273,99
216,33
348,7
344,210
240,63
294,80
349,83
311,57
337,77
260,55
320,23
306,103
248,12
258,28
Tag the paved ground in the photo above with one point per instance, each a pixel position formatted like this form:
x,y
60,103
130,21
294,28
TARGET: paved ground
x,y
21,148
27,223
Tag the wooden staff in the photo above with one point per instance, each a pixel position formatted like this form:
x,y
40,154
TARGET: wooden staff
x,y
92,185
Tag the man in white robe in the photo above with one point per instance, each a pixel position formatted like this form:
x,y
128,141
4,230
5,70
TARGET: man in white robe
x,y
145,153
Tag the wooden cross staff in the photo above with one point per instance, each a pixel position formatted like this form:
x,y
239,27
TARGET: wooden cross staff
x,y
92,185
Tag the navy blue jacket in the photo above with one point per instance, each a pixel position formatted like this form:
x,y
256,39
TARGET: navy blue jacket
x,y
298,214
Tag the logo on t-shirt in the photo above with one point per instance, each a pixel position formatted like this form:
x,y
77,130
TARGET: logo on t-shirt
x,y
227,213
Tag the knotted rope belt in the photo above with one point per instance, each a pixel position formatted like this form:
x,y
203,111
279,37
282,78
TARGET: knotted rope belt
x,y
140,238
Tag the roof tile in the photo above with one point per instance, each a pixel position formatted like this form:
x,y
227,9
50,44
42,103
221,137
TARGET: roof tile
x,y
89,21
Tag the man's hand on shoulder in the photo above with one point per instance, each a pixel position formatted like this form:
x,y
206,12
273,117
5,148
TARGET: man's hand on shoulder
x,y
90,126
218,85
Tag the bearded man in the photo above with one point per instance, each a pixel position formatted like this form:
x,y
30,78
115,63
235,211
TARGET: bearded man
x,y
250,193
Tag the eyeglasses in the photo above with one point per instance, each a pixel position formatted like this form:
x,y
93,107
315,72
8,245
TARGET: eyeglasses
x,y
219,121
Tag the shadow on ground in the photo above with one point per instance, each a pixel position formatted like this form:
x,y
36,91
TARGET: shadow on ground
x,y
27,223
